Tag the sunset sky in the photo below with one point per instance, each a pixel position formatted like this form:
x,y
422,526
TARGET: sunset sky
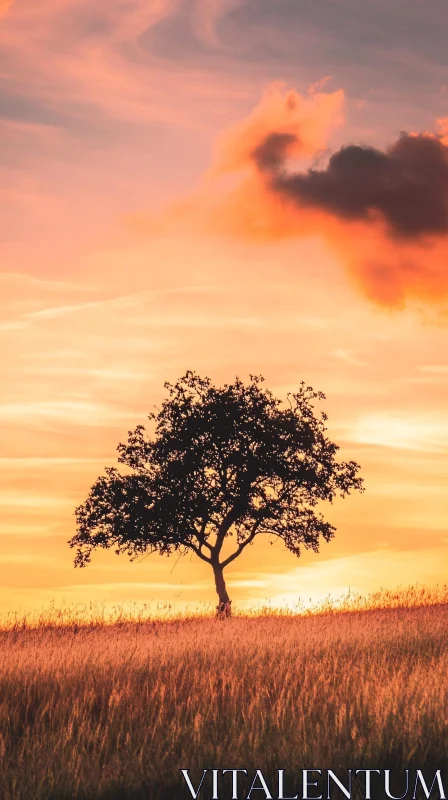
x,y
157,215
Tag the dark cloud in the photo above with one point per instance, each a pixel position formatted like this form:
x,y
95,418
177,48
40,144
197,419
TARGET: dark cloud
x,y
407,183
270,153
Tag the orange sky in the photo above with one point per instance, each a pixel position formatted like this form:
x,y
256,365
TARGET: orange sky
x,y
136,243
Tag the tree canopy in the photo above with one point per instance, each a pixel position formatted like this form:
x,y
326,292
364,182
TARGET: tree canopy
x,y
230,461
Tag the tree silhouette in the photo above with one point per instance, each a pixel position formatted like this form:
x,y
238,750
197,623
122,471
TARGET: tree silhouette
x,y
222,462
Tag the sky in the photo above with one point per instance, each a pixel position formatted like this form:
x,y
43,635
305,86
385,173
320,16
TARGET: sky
x,y
233,187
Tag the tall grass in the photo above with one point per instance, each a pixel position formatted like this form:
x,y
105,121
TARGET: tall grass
x,y
94,614
96,710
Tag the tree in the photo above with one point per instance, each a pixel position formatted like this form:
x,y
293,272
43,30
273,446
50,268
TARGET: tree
x,y
222,462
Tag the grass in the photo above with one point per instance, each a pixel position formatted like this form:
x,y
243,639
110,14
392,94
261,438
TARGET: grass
x,y
97,709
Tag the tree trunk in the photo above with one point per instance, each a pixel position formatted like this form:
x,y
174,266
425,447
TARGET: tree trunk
x,y
224,607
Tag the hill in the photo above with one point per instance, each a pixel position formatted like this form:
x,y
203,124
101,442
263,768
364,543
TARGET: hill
x,y
114,711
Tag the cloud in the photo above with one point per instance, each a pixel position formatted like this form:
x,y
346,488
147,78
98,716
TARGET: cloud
x,y
344,355
285,122
26,499
26,558
382,212
73,411
356,573
436,369
398,429
407,184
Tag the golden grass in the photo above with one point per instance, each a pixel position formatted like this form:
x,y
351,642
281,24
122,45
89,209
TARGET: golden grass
x,y
113,711
94,614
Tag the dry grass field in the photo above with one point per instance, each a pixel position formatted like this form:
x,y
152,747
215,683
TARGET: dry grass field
x,y
113,711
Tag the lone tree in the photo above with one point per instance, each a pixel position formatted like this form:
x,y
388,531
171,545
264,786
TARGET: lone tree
x,y
222,462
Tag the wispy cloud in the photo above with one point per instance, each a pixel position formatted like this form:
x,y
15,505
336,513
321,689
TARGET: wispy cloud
x,y
31,462
76,412
32,499
26,558
434,369
409,431
103,373
349,358
16,529
361,573
59,311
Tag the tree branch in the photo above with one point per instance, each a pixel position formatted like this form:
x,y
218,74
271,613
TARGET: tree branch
x,y
242,545
200,535
198,552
